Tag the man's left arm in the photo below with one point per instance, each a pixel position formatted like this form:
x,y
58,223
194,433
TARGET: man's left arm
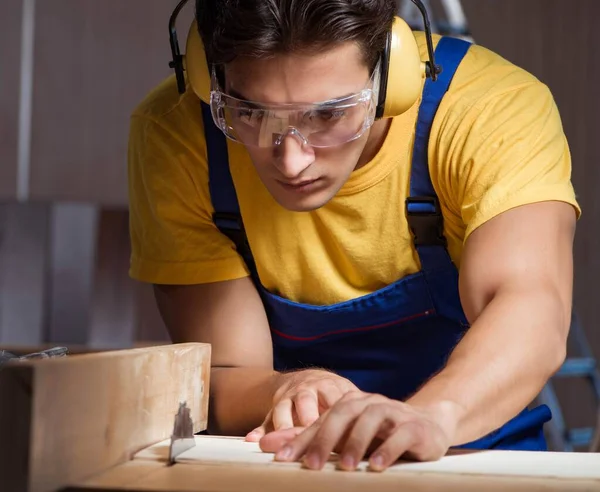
x,y
503,173
516,285
516,281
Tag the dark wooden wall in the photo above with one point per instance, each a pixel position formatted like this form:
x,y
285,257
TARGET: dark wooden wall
x,y
557,41
63,232
94,59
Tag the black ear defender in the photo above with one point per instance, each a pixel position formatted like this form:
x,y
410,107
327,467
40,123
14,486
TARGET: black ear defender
x,y
177,63
402,70
432,70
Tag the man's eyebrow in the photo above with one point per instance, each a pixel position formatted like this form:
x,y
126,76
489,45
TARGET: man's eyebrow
x,y
238,95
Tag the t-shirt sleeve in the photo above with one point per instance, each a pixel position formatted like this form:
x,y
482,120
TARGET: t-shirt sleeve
x,y
173,238
507,150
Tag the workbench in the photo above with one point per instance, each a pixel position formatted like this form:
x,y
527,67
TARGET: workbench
x,y
103,422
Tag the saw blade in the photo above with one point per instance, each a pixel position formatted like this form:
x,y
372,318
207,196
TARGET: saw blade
x,y
182,438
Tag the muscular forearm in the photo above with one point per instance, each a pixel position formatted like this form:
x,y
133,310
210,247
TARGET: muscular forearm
x,y
511,350
240,398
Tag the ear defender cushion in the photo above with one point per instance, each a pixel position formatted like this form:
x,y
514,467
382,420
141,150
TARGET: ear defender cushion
x,y
196,65
405,74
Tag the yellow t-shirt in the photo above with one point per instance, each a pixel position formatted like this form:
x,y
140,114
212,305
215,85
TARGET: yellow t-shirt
x,y
497,142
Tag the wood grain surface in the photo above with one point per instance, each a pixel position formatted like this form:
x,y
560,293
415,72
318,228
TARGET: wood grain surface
x,y
213,450
140,476
226,464
68,419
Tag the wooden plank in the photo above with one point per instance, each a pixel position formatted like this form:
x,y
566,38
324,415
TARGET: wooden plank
x,y
112,317
215,450
123,313
81,415
72,271
238,478
123,475
23,262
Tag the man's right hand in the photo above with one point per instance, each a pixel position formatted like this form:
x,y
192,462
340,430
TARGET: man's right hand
x,y
300,399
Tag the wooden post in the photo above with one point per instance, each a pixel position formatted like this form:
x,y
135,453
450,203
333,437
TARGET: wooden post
x,y
66,419
23,262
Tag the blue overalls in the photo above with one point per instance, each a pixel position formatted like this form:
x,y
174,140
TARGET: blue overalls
x,y
392,340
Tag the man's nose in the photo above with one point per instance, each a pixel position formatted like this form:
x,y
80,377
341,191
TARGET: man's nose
x,y
293,156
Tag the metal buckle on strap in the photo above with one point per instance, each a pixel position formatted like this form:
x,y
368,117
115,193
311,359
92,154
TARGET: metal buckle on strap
x,y
425,220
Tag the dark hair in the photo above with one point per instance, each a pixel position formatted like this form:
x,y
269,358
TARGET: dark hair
x,y
263,28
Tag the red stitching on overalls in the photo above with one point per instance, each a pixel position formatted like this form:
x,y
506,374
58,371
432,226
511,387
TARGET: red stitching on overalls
x,y
351,330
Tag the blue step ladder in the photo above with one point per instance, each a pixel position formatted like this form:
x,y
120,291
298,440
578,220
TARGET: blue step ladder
x,y
583,365
449,20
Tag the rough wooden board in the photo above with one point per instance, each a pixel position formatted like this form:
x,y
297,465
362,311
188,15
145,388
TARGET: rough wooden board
x,y
88,413
230,478
71,270
122,476
219,450
23,264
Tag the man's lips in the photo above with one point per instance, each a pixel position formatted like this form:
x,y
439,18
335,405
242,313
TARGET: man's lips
x,y
298,185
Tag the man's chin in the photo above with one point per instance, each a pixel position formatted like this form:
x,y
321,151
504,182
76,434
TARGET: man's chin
x,y
301,202
305,203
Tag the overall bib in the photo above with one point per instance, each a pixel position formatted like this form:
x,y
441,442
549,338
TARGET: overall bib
x,y
393,340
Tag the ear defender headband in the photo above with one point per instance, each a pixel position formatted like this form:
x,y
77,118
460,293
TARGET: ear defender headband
x,y
402,70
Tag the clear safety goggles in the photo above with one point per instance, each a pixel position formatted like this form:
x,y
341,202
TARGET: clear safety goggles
x,y
325,124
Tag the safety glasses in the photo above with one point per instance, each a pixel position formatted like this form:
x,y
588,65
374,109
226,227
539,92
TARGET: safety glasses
x,y
325,124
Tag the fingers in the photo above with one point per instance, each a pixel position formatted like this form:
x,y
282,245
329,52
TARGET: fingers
x,y
304,405
318,441
307,407
294,449
282,415
274,441
355,424
256,434
373,422
409,438
330,396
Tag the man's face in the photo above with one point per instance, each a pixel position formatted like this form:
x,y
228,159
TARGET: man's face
x,y
301,177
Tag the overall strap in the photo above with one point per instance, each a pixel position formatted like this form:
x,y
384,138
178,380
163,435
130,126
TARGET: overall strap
x,y
423,210
226,215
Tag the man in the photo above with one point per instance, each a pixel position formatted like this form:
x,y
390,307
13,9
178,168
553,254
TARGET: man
x,y
382,271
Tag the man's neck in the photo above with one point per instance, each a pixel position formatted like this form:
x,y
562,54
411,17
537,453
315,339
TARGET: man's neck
x,y
377,136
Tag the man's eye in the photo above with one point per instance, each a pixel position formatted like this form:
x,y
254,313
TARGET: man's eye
x,y
249,116
326,114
